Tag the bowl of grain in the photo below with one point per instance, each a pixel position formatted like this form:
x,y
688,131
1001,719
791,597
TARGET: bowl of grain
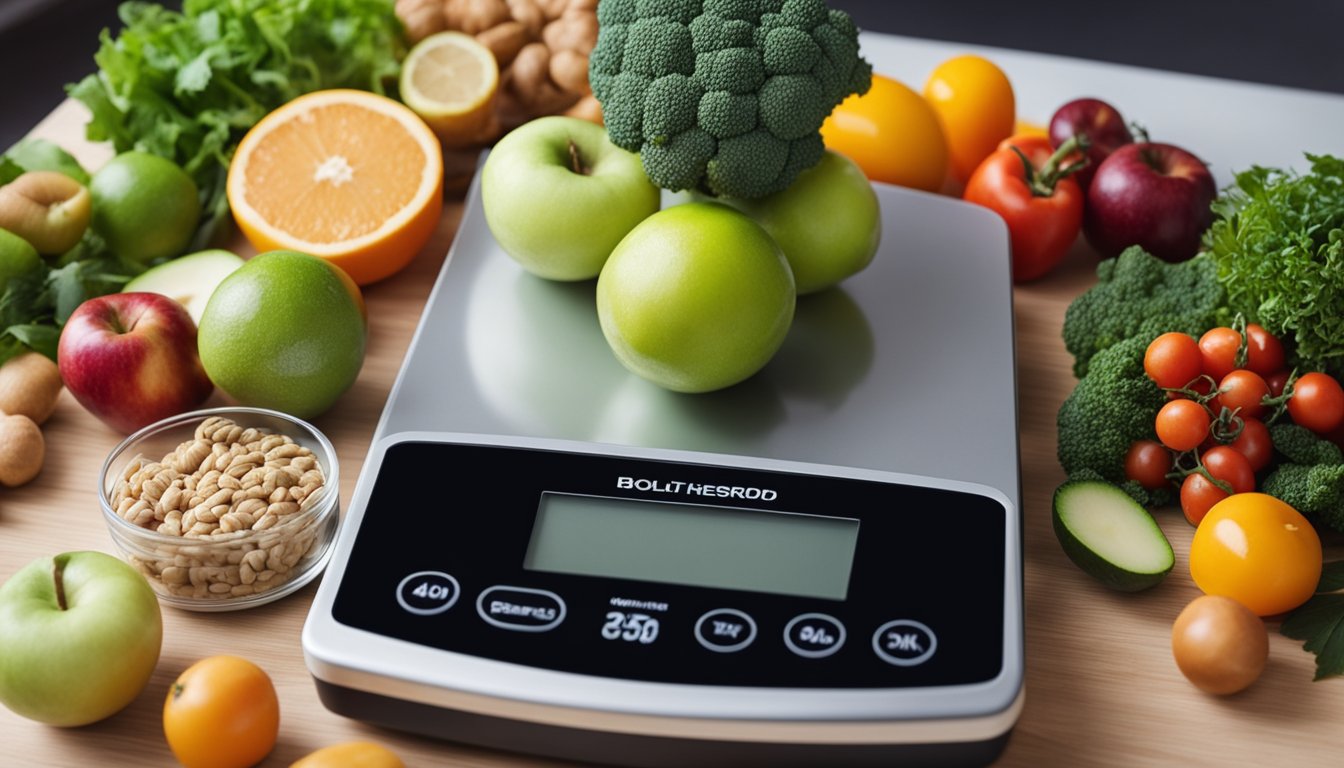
x,y
224,508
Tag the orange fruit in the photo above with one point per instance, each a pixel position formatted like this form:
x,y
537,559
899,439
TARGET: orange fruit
x,y
350,176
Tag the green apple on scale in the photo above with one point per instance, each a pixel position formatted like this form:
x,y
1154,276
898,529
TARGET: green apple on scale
x,y
188,279
558,196
827,221
696,298
80,635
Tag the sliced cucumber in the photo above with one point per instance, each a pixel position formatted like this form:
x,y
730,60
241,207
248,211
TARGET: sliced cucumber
x,y
1111,536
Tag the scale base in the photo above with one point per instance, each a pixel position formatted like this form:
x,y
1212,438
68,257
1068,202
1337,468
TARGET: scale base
x,y
638,751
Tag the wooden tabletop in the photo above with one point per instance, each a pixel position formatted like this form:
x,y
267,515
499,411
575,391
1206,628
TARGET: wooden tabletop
x,y
1101,686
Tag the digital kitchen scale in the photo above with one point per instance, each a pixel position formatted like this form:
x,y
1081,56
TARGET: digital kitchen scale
x,y
822,565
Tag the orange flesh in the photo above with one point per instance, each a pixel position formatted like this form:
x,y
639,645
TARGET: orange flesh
x,y
358,169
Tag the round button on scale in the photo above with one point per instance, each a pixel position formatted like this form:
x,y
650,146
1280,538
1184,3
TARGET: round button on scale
x,y
904,642
814,635
426,593
724,630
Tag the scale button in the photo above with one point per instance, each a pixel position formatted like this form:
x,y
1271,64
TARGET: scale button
x,y
725,630
521,609
426,593
904,643
814,635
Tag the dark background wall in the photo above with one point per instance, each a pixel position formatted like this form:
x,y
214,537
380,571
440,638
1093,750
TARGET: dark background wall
x,y
45,44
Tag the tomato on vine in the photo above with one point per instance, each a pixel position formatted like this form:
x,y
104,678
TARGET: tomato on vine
x,y
1182,425
1220,347
1173,360
1243,391
1198,495
1264,351
1147,463
1254,443
1317,402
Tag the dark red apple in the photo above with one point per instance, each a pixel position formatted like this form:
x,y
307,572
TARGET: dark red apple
x,y
1102,123
1153,195
130,359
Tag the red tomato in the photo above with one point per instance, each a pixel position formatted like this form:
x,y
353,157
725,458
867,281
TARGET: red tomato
x,y
1219,347
1243,390
1317,402
1147,463
1264,351
1277,381
1182,425
1228,464
1198,495
1173,360
1044,212
1254,443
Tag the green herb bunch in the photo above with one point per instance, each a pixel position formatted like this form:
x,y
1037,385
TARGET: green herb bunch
x,y
188,85
1278,242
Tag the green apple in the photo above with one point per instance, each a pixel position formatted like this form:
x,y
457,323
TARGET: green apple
x,y
696,298
828,222
79,637
17,258
145,206
559,196
285,331
189,279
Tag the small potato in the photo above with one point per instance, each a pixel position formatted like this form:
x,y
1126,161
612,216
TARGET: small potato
x,y
30,384
1219,644
22,450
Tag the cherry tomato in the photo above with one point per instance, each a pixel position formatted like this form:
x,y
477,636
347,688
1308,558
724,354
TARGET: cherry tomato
x,y
1219,645
1258,551
1229,465
1264,351
1317,402
975,104
892,133
1277,381
1198,495
1254,443
1147,463
1182,425
1219,347
1243,390
1043,211
1173,360
222,712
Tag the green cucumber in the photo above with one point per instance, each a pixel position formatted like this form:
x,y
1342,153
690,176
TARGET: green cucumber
x,y
1110,536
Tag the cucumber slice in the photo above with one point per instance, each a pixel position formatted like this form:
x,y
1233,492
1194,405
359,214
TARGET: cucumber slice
x,y
1110,536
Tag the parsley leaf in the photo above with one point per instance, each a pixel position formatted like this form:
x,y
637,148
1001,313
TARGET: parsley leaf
x,y
1320,622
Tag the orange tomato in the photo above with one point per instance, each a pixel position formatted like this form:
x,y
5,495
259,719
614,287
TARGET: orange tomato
x,y
1258,551
352,754
974,101
892,133
222,712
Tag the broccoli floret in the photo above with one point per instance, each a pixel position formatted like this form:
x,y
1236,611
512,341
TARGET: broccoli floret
x,y
1113,406
1138,294
1312,479
725,97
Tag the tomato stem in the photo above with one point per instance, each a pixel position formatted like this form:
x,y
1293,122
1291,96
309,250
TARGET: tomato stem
x,y
1042,181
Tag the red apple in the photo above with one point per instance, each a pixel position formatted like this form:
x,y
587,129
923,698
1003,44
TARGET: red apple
x,y
1153,195
130,359
1102,123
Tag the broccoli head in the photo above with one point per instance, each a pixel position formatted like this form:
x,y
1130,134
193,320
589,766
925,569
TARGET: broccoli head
x,y
1112,406
725,97
1312,479
1138,294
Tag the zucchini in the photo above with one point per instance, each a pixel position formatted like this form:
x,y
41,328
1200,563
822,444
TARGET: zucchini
x,y
1110,536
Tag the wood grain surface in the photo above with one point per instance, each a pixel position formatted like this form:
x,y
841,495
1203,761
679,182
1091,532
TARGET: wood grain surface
x,y
1101,689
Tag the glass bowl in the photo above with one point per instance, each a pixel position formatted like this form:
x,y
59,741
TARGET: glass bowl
x,y
220,517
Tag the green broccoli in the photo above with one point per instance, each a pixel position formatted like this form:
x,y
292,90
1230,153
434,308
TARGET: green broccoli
x,y
723,96
1138,294
1112,407
1312,479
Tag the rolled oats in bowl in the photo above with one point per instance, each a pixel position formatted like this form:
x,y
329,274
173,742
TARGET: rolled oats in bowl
x,y
225,508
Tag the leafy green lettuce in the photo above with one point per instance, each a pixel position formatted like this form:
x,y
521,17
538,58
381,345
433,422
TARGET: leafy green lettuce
x,y
188,85
1278,241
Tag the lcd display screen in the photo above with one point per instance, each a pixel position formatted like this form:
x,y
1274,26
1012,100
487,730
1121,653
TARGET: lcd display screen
x,y
706,546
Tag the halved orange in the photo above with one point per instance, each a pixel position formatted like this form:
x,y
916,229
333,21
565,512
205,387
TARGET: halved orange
x,y
350,176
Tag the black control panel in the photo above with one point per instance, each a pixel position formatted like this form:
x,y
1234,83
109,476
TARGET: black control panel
x,y
439,561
